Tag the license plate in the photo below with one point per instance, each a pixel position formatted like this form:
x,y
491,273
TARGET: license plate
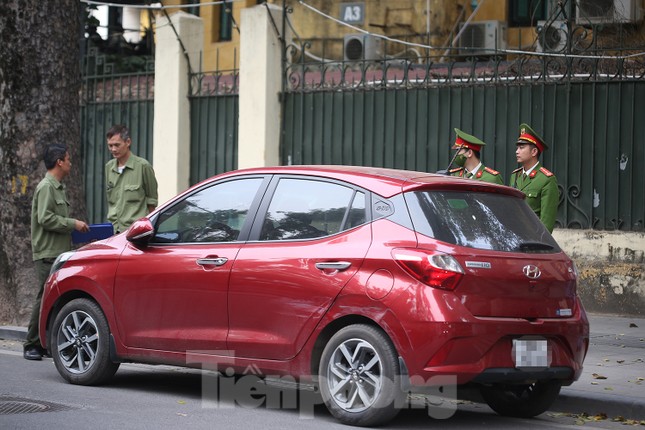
x,y
531,352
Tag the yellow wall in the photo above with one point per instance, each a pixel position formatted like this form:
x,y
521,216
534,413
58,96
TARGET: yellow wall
x,y
217,55
402,19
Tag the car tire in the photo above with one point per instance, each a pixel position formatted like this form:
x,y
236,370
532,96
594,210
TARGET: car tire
x,y
79,342
359,376
521,401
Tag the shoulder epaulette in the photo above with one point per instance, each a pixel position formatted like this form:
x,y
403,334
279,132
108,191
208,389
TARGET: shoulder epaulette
x,y
517,170
491,171
545,171
455,170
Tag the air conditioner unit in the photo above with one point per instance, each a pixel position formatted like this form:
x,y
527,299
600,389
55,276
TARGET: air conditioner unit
x,y
482,37
552,36
362,47
608,11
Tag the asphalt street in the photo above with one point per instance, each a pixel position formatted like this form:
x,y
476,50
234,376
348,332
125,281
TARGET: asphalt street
x,y
611,388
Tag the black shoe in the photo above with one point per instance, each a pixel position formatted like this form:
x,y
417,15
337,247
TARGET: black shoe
x,y
32,353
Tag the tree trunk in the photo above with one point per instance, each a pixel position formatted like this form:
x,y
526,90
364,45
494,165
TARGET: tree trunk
x,y
39,91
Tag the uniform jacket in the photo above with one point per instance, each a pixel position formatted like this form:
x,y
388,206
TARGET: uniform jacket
x,y
542,194
485,174
51,225
129,193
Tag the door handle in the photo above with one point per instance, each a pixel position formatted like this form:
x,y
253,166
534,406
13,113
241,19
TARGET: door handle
x,y
333,265
216,261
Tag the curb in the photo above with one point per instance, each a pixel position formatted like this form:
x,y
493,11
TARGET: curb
x,y
13,333
594,404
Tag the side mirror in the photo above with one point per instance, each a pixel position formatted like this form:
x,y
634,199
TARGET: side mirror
x,y
140,231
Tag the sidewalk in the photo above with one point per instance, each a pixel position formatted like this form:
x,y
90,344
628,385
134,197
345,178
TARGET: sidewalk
x,y
613,379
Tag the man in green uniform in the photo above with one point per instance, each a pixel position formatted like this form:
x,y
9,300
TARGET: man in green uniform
x,y
538,183
468,159
51,229
130,181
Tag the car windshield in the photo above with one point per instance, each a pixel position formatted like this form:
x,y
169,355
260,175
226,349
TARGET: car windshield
x,y
479,220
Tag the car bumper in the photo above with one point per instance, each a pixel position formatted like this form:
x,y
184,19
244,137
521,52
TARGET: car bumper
x,y
481,351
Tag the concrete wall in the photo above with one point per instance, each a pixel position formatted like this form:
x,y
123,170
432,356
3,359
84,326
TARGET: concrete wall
x,y
610,267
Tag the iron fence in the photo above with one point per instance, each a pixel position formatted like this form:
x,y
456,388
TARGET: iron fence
x,y
400,112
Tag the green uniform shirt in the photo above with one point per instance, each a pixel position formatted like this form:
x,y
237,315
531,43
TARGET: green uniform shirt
x,y
542,195
484,173
129,193
51,226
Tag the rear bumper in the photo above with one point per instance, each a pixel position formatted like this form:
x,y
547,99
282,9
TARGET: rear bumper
x,y
481,350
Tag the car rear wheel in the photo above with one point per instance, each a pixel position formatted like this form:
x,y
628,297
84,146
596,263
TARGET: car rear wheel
x,y
359,376
79,343
522,401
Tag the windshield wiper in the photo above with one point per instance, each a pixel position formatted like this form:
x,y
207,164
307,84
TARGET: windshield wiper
x,y
535,246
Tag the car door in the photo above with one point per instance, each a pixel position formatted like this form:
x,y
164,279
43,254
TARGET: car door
x,y
171,295
312,237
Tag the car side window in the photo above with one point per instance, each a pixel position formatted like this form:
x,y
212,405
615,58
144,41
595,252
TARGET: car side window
x,y
307,209
213,214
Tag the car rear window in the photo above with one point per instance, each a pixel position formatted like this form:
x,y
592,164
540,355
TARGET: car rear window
x,y
479,220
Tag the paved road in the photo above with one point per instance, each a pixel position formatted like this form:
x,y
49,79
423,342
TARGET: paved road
x,y
159,397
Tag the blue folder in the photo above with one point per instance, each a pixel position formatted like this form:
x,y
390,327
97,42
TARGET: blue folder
x,y
96,232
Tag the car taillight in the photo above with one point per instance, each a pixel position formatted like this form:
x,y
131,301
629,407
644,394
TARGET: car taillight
x,y
436,270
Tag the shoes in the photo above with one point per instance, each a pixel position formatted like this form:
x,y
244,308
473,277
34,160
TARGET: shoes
x,y
32,353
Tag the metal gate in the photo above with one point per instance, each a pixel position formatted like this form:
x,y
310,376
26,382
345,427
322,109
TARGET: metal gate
x,y
214,112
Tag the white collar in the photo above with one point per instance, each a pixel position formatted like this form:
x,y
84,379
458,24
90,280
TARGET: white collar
x,y
528,172
475,170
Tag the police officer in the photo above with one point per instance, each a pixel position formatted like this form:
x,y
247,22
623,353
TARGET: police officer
x,y
538,183
468,159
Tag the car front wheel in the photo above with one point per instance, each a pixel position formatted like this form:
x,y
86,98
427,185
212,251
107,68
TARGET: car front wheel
x,y
359,376
521,401
79,340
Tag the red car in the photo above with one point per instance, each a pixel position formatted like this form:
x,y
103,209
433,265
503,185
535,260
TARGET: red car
x,y
367,283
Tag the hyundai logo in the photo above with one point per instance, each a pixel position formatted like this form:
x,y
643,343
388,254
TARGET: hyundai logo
x,y
531,271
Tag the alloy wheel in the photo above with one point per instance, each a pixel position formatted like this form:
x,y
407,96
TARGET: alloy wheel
x,y
355,375
78,341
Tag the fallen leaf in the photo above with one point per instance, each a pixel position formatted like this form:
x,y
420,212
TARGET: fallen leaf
x,y
594,383
609,389
599,417
640,378
619,418
597,376
182,415
606,360
620,361
632,325
181,402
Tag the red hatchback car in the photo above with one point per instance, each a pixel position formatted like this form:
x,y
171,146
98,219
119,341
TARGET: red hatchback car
x,y
366,282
